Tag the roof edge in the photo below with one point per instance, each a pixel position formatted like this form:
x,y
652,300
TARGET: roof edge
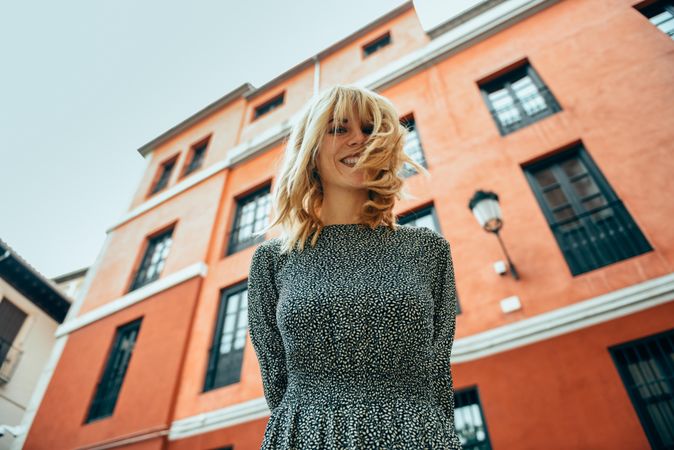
x,y
249,92
70,275
56,305
397,11
222,101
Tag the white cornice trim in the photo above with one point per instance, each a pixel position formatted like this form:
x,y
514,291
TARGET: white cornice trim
x,y
603,308
198,269
171,192
454,39
570,318
247,411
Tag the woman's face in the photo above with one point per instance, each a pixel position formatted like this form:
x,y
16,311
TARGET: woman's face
x,y
339,142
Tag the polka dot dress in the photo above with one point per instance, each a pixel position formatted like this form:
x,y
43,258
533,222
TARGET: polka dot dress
x,y
354,339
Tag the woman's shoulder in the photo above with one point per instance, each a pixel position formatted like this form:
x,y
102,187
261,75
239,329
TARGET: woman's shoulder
x,y
425,236
268,248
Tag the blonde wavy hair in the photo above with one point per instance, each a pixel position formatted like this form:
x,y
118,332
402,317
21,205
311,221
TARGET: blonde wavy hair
x,y
297,195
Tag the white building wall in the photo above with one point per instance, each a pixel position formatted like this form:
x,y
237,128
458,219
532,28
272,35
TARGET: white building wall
x,y
35,340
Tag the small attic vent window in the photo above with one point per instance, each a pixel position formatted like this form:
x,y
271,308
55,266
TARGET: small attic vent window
x,y
269,105
378,43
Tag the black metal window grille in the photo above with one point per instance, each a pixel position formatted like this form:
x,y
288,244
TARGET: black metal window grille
x,y
107,390
646,367
198,153
590,223
469,420
153,260
378,43
412,147
165,175
252,215
269,105
518,98
226,352
661,14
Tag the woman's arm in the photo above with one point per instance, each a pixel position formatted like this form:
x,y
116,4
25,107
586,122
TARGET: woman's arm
x,y
444,323
263,329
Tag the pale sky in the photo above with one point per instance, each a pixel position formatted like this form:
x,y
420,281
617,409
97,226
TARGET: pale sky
x,y
84,83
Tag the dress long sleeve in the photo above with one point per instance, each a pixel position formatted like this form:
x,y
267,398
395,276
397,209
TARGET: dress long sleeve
x,y
444,324
264,333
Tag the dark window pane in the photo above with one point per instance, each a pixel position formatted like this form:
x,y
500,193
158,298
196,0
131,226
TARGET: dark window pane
x,y
504,107
197,158
229,339
646,367
412,148
376,45
252,215
518,98
269,106
665,22
529,96
555,197
11,320
545,177
107,390
422,218
661,14
573,167
591,225
164,177
153,261
469,420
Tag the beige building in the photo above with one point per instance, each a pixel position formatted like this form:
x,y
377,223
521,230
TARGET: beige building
x,y
31,308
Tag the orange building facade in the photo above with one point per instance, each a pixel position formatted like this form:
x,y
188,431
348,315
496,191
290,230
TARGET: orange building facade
x,y
561,108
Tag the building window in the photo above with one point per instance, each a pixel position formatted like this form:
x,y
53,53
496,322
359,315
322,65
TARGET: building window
x,y
11,321
252,215
375,45
424,217
107,390
412,147
661,14
646,368
196,156
469,420
518,98
164,175
153,261
592,226
226,352
270,105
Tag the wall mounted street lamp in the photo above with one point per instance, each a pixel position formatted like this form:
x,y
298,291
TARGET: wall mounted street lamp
x,y
485,208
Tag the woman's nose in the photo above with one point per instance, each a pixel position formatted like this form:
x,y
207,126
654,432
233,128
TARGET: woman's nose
x,y
357,137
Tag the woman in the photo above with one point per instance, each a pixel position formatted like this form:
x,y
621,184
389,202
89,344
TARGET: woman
x,y
351,316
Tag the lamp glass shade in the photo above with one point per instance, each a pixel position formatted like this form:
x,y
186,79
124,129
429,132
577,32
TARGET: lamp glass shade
x,y
487,211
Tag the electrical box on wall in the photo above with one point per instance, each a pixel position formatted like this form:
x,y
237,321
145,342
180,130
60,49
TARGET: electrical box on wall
x,y
500,267
511,304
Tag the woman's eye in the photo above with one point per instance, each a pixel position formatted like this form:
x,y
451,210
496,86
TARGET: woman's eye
x,y
338,130
368,130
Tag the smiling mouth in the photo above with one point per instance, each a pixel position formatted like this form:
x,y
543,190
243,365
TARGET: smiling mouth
x,y
349,161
